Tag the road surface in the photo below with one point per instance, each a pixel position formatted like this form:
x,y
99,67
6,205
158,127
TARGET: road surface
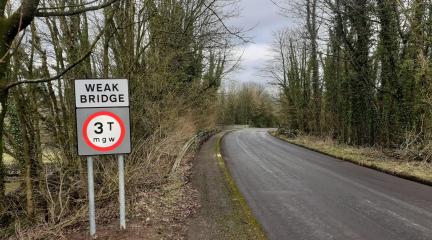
x,y
300,194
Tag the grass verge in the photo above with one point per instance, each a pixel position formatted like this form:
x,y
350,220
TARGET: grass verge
x,y
367,157
244,210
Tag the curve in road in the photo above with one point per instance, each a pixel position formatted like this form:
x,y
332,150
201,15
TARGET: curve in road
x,y
296,193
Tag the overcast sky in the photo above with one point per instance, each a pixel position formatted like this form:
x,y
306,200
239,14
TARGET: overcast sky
x,y
266,18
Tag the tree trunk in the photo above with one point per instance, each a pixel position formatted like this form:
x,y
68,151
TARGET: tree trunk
x,y
4,66
3,102
316,89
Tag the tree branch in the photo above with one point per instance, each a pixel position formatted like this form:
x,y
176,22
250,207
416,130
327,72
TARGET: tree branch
x,y
20,19
69,67
2,7
67,6
40,13
236,34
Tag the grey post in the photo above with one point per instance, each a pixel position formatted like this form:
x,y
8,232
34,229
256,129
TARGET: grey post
x,y
91,196
122,192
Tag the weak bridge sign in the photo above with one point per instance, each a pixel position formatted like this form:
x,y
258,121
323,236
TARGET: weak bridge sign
x,y
102,113
101,93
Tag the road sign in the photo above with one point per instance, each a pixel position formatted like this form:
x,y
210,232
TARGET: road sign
x,y
95,93
102,116
103,131
103,127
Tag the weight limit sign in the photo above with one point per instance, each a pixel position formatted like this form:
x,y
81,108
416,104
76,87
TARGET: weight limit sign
x,y
103,131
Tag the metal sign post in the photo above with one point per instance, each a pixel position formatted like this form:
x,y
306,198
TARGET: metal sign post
x,y
122,192
103,127
90,181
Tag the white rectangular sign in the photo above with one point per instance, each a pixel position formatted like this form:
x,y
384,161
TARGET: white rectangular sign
x,y
97,93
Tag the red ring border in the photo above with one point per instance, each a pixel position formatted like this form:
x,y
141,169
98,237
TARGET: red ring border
x,y
104,149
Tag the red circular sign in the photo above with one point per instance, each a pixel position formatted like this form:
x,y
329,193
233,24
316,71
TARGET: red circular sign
x,y
104,140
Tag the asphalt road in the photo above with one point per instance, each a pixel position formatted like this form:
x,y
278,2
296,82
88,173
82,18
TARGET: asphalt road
x,y
300,194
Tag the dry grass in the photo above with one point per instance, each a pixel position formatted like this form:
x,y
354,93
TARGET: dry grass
x,y
385,161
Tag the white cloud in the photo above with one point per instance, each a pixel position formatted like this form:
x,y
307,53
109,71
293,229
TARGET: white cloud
x,y
254,57
253,53
266,18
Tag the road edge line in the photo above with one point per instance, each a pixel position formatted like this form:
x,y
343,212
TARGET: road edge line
x,y
370,166
235,192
